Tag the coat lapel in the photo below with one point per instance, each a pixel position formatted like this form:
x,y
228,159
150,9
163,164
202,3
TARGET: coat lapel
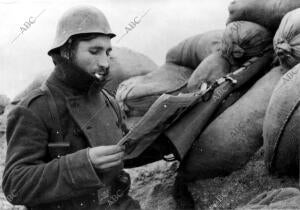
x,y
95,118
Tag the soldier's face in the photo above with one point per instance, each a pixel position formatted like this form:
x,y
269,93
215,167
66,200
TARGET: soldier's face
x,y
93,56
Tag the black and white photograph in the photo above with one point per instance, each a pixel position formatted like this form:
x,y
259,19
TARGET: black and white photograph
x,y
149,105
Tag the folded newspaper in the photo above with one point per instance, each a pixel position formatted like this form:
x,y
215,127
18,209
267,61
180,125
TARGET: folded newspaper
x,y
163,112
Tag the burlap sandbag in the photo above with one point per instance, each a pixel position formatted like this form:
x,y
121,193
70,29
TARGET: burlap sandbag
x,y
193,50
287,40
264,12
282,198
243,40
234,136
281,130
125,64
137,94
211,68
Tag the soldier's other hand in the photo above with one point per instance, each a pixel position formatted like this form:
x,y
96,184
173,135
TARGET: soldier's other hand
x,y
106,158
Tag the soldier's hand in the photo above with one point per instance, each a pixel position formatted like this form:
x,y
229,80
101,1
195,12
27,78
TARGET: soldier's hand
x,y
105,158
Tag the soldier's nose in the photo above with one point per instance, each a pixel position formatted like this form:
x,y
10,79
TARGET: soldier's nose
x,y
103,62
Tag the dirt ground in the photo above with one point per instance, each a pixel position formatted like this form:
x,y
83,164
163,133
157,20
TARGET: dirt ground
x,y
152,184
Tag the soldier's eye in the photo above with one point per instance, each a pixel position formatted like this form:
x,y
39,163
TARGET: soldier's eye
x,y
93,52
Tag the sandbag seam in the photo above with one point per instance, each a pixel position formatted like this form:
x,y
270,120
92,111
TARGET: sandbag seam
x,y
277,141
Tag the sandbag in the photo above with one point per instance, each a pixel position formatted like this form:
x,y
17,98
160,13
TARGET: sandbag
x,y
282,198
193,50
281,129
211,68
125,64
287,40
243,40
264,12
185,130
233,137
137,94
237,94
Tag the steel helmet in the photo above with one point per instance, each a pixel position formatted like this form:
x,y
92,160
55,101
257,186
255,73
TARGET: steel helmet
x,y
80,20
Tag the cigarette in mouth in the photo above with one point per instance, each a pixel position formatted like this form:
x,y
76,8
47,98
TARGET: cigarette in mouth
x,y
97,75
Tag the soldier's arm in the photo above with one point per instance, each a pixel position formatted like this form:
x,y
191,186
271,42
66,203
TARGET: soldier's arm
x,y
28,179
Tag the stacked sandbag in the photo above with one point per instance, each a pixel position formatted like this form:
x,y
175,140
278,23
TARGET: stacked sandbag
x,y
137,94
212,54
243,40
281,129
124,64
287,40
233,137
267,13
282,198
193,50
211,68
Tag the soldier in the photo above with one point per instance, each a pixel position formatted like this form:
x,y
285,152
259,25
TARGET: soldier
x,y
62,151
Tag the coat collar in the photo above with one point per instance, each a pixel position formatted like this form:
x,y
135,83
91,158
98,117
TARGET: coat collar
x,y
72,78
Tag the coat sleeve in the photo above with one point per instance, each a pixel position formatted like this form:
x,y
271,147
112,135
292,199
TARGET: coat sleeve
x,y
28,179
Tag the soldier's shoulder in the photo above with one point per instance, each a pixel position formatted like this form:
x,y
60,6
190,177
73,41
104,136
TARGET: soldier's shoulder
x,y
35,97
32,102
